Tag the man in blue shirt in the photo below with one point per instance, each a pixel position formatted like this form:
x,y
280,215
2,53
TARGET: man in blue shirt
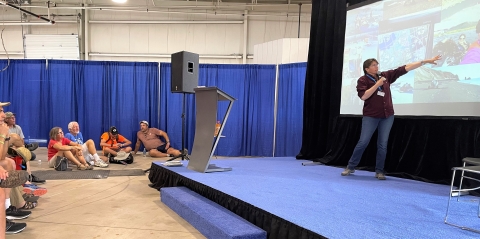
x,y
88,148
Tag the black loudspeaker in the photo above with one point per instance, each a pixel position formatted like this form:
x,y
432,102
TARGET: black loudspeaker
x,y
184,72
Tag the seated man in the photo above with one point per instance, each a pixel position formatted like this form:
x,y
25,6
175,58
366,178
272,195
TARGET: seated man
x,y
9,179
114,144
14,128
152,143
89,151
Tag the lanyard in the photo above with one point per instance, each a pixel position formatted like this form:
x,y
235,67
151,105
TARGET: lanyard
x,y
373,79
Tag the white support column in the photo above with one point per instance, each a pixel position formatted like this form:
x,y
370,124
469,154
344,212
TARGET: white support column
x,y
245,36
86,25
275,107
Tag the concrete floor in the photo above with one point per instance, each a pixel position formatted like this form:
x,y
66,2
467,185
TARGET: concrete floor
x,y
116,207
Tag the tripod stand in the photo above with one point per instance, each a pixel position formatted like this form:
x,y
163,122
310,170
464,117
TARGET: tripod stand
x,y
182,155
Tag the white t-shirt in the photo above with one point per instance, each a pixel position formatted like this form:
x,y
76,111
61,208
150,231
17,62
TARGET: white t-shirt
x,y
16,129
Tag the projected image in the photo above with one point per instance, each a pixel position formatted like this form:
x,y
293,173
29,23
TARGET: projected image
x,y
447,84
355,51
402,90
398,48
397,8
457,36
365,21
398,32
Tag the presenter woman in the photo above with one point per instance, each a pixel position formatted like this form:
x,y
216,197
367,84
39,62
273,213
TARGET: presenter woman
x,y
374,89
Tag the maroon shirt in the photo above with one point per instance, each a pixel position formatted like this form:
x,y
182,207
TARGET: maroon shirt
x,y
379,106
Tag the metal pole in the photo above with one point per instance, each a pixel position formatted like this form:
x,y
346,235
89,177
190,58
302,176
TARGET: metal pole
x,y
28,12
183,125
275,110
299,15
245,36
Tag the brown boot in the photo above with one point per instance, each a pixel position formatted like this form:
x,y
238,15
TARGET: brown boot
x,y
15,178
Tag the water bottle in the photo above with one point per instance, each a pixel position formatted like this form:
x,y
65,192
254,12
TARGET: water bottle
x,y
144,152
217,128
28,139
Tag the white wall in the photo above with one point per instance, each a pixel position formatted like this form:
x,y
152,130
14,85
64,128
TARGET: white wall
x,y
152,40
282,51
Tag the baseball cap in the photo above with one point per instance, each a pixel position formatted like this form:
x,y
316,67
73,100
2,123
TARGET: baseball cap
x,y
4,103
9,114
113,130
144,122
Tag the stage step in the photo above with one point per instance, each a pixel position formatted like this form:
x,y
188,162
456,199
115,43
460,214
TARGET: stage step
x,y
211,219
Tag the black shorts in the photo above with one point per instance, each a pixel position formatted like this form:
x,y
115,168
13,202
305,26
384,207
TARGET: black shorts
x,y
162,149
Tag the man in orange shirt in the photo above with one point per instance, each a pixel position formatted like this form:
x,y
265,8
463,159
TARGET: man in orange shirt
x,y
114,144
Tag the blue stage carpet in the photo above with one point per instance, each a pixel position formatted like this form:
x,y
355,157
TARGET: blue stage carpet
x,y
359,206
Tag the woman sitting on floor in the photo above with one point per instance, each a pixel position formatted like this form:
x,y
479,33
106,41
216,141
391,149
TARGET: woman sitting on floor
x,y
63,147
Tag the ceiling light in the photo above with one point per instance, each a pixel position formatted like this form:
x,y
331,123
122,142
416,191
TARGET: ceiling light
x,y
120,1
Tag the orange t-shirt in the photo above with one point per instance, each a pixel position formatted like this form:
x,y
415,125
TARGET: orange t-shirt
x,y
112,140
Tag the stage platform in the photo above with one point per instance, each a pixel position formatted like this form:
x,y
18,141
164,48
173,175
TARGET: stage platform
x,y
289,200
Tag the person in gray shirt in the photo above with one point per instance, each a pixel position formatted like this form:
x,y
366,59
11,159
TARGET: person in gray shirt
x,y
16,129
10,120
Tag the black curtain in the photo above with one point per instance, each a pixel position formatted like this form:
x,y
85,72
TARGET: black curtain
x,y
421,148
323,80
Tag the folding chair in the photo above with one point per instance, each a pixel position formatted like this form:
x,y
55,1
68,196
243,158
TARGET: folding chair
x,y
470,169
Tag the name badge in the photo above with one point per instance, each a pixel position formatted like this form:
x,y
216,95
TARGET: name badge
x,y
381,93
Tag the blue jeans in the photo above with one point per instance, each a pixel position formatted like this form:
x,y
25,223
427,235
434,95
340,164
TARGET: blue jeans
x,y
369,125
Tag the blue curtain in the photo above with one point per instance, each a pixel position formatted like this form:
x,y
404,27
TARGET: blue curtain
x,y
96,94
22,85
249,128
101,94
291,84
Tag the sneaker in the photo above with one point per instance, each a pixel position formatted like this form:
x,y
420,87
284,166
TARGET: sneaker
x,y
101,164
13,213
348,172
35,179
30,197
29,205
34,189
380,176
14,227
31,146
15,178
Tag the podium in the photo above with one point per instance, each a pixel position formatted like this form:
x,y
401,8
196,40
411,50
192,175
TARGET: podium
x,y
207,99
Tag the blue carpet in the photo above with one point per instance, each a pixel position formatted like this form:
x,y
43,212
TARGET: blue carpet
x,y
211,219
358,206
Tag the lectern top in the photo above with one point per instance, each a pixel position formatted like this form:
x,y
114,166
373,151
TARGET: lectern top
x,y
221,94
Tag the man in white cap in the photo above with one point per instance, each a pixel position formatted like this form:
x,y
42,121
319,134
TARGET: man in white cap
x,y
150,138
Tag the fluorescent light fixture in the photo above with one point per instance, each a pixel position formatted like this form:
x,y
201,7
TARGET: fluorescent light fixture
x,y
120,1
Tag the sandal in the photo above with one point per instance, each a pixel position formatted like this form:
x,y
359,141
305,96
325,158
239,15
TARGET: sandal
x,y
29,205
